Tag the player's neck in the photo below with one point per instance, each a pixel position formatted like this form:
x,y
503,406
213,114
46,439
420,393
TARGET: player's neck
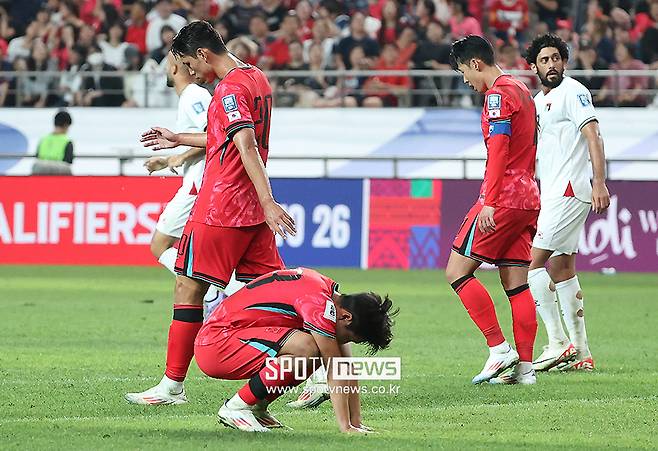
x,y
180,87
491,74
225,64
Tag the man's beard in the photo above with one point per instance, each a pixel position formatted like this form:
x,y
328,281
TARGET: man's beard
x,y
552,84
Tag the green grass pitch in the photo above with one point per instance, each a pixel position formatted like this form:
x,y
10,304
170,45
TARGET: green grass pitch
x,y
73,340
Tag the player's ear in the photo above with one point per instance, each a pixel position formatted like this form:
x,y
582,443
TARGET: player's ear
x,y
202,54
475,64
533,66
344,315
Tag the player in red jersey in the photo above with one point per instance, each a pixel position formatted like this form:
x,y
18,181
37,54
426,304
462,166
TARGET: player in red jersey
x,y
500,226
275,332
234,218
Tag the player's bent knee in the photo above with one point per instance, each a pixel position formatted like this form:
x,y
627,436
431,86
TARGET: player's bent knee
x,y
189,291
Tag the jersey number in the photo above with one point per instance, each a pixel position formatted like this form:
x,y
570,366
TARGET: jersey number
x,y
278,276
265,110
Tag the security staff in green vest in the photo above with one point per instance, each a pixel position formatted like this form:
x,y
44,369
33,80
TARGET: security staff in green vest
x,y
55,151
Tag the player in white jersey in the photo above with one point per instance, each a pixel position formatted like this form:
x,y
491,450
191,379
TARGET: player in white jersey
x,y
192,117
568,132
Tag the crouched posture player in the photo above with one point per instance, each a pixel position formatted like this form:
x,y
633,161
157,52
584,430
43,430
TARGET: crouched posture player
x,y
568,128
295,314
231,225
500,226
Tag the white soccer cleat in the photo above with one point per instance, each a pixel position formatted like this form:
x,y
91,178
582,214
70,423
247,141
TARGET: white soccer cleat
x,y
158,395
242,419
313,395
265,418
554,356
586,364
496,364
513,376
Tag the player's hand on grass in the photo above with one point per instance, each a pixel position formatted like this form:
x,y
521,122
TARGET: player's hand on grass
x,y
159,138
155,164
279,221
486,222
600,197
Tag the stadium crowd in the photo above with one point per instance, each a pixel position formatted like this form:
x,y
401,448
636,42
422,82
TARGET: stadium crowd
x,y
80,38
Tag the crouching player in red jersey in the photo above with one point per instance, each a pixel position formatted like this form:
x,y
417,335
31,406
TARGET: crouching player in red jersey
x,y
295,314
500,226
232,223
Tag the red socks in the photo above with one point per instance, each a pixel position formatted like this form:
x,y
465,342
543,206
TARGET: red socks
x,y
524,320
259,387
182,333
480,307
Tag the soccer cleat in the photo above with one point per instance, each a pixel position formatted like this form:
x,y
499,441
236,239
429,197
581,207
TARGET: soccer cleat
x,y
157,395
586,364
553,356
313,395
265,418
242,419
513,376
496,364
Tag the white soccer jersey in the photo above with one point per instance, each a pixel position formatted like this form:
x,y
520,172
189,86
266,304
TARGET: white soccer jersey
x,y
562,153
193,115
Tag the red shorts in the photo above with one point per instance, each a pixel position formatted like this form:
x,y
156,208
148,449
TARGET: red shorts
x,y
212,253
239,353
509,245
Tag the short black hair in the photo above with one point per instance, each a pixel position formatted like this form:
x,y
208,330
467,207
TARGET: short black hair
x,y
63,119
472,46
543,41
197,35
371,318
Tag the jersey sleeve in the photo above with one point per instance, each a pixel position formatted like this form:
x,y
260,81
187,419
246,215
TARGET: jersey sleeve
x,y
319,314
578,106
196,109
499,107
234,113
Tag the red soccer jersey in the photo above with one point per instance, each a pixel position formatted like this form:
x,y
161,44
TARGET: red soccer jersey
x,y
292,298
227,196
509,126
509,13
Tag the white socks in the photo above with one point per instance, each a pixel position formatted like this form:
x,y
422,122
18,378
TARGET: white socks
x,y
571,300
172,386
547,306
502,348
237,403
168,259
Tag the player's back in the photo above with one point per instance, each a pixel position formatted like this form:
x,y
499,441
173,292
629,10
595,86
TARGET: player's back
x,y
510,106
294,298
243,99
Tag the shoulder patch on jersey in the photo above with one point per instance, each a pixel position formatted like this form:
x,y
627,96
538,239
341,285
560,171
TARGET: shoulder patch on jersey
x,y
494,113
230,103
584,99
198,107
330,311
493,101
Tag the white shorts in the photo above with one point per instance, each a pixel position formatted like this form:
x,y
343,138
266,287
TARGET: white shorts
x,y
560,223
173,218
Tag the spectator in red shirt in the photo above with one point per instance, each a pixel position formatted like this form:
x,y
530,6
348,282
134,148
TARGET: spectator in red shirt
x,y
391,27
407,44
89,9
509,58
462,25
304,11
508,18
137,26
388,89
278,53
260,34
643,20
